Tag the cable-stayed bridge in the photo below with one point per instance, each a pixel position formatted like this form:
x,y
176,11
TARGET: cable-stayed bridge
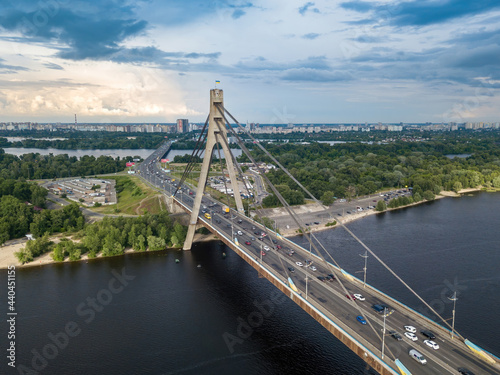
x,y
364,324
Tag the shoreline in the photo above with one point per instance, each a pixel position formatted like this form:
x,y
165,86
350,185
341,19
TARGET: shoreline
x,y
7,257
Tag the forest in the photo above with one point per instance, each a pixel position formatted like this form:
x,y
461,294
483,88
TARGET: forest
x,y
350,169
73,140
35,166
109,237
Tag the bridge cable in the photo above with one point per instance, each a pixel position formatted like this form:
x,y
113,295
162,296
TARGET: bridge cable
x,y
239,169
291,212
349,231
194,154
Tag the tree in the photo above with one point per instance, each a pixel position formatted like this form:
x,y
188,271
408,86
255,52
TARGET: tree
x,y
156,243
140,243
428,195
381,206
350,192
327,198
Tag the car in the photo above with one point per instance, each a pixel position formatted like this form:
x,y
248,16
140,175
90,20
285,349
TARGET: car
x,y
431,344
262,253
291,269
348,212
316,222
299,264
332,276
360,319
307,224
375,200
410,329
351,296
252,238
248,243
396,335
217,221
263,234
359,297
266,248
240,233
278,247
312,268
411,336
464,371
322,278
417,356
190,193
428,334
329,278
260,239
290,253
274,241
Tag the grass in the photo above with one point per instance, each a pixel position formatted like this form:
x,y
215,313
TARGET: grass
x,y
132,193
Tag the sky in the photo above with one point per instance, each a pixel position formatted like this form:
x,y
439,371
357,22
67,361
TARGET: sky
x,y
278,61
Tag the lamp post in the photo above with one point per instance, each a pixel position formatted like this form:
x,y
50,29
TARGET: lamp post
x,y
306,286
454,299
383,335
364,269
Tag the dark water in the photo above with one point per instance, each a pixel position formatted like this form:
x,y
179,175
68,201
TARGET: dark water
x,y
174,318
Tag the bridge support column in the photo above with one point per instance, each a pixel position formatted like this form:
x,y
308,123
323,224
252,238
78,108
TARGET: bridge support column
x,y
216,134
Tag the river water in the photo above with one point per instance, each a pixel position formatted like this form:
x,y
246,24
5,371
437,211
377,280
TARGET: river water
x,y
160,317
143,153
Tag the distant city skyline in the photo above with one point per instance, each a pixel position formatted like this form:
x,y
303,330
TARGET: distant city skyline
x,y
278,61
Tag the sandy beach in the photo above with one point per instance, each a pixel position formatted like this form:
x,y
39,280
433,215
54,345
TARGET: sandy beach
x,y
8,249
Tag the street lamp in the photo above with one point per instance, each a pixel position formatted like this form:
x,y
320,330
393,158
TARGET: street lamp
x,y
454,299
383,335
306,286
364,269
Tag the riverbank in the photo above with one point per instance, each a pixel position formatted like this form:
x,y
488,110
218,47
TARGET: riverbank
x,y
8,250
356,215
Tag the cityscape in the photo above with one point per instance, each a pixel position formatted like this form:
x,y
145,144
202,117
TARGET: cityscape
x,y
267,187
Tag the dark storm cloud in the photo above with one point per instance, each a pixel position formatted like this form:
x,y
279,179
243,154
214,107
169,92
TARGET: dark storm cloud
x,y
420,12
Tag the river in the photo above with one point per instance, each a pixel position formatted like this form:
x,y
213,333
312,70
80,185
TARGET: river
x,y
159,317
143,153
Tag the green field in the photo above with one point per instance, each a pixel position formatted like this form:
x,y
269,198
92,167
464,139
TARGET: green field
x,y
134,198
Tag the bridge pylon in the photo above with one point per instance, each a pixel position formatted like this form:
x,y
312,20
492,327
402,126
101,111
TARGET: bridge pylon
x,y
216,134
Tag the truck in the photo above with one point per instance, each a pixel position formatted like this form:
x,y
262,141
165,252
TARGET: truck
x,y
225,209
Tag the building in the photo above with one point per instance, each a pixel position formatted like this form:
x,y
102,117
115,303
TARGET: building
x,y
182,126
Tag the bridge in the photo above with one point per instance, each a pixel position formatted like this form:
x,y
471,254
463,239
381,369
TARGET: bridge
x,y
365,324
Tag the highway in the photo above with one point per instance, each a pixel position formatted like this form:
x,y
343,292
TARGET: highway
x,y
328,296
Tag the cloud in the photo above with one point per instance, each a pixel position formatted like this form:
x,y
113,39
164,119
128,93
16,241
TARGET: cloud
x,y
314,75
308,7
310,36
420,12
9,69
53,66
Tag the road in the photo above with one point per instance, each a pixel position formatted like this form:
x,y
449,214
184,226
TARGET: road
x,y
328,296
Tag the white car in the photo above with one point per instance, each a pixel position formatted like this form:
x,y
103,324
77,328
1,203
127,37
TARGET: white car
x,y
411,329
359,297
299,264
240,233
431,344
266,248
411,336
312,268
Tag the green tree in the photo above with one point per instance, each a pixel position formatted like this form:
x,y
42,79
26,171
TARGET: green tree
x,y
327,198
156,243
381,206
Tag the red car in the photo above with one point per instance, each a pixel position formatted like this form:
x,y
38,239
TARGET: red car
x,y
278,247
351,297
248,243
262,253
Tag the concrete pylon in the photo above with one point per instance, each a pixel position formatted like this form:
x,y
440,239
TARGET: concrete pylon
x,y
216,134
